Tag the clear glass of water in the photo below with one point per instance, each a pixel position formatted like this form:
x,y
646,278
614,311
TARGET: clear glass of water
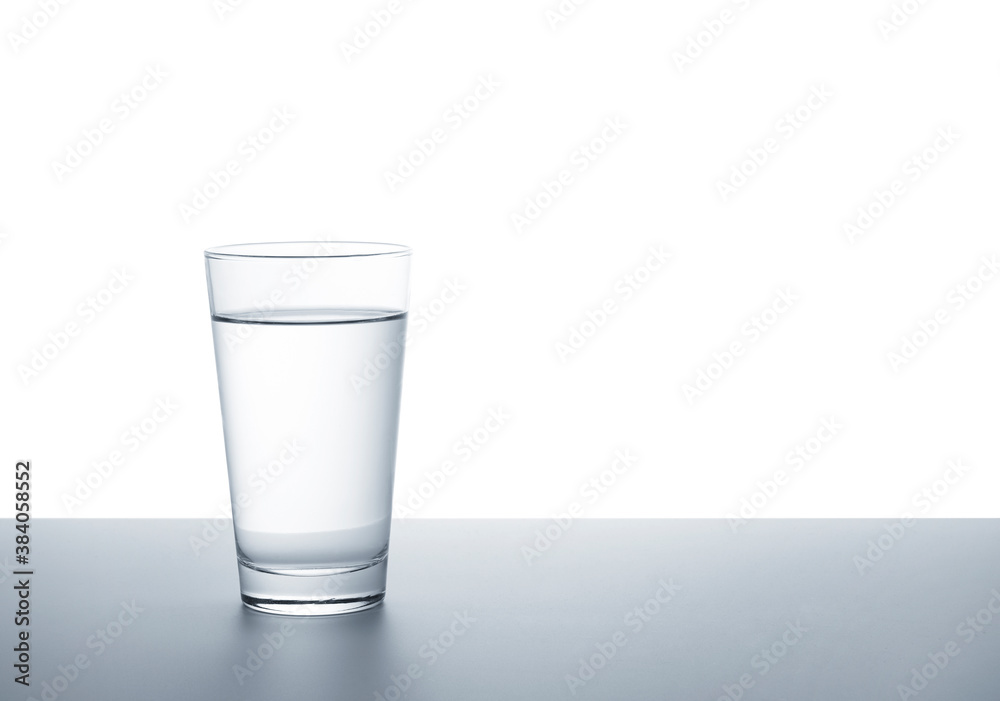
x,y
309,340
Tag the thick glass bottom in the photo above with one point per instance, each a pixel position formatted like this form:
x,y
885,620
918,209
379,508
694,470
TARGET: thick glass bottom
x,y
313,592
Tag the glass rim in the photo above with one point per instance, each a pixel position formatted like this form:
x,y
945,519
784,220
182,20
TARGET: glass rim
x,y
320,249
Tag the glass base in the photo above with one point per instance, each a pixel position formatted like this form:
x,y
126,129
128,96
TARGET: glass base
x,y
325,592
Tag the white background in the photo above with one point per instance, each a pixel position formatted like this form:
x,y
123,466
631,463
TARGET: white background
x,y
526,290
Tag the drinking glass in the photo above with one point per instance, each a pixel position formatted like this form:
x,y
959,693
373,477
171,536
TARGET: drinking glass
x,y
309,340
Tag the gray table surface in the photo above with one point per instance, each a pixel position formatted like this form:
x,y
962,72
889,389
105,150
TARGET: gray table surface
x,y
780,606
